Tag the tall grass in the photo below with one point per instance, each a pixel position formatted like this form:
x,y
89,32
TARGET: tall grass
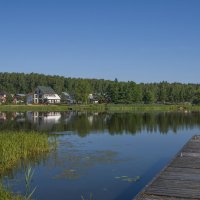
x,y
15,146
7,195
90,198
19,146
28,178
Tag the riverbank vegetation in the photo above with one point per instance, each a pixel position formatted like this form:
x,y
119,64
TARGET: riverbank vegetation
x,y
101,107
7,195
106,91
16,147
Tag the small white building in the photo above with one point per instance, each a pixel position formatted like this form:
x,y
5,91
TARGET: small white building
x,y
93,98
43,94
3,97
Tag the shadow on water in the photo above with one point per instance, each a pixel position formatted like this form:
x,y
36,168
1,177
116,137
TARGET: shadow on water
x,y
136,187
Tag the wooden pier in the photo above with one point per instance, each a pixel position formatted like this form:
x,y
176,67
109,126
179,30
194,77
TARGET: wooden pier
x,y
180,179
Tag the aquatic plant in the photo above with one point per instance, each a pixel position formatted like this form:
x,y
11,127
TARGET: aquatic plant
x,y
128,179
28,177
7,195
16,146
90,198
20,146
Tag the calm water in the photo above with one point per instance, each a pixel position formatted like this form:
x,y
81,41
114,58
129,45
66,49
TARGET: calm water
x,y
100,153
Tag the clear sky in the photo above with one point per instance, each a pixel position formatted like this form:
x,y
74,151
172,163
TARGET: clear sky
x,y
138,40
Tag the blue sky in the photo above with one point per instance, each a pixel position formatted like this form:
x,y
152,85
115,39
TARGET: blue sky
x,y
138,40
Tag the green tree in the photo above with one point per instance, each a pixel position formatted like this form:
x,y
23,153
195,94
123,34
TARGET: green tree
x,y
82,91
9,99
196,99
162,92
148,96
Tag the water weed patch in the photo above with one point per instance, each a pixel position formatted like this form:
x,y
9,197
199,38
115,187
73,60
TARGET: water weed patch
x,y
16,146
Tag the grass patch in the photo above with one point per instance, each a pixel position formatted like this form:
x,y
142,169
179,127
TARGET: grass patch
x,y
100,107
23,108
134,107
15,146
19,146
7,195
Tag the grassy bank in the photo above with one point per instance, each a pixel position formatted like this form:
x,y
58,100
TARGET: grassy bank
x,y
99,107
15,146
6,195
18,146
23,108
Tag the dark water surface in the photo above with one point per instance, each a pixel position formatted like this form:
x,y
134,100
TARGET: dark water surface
x,y
100,153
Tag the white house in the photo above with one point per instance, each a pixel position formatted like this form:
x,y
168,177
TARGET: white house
x,y
43,94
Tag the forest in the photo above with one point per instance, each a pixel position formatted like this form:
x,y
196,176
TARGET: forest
x,y
106,91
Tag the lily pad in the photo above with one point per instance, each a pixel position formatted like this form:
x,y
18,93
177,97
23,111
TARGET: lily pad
x,y
128,179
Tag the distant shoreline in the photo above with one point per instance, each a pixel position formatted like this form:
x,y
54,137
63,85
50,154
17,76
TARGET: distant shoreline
x,y
101,108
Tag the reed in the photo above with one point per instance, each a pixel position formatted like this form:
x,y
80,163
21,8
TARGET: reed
x,y
16,146
90,197
28,178
19,146
7,195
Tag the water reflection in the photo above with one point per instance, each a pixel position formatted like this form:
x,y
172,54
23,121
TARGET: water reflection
x,y
44,120
97,150
20,166
84,123
2,116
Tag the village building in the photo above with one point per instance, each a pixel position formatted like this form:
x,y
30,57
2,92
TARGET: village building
x,y
3,97
67,98
43,95
19,98
93,98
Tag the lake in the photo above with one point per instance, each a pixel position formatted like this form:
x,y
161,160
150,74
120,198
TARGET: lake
x,y
110,156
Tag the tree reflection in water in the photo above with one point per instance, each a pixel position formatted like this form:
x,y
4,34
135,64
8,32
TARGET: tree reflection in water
x,y
83,123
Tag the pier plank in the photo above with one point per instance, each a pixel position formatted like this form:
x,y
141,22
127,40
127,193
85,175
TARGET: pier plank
x,y
180,180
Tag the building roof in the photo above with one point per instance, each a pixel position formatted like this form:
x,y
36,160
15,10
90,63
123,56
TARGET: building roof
x,y
21,95
3,93
65,93
46,90
66,96
53,97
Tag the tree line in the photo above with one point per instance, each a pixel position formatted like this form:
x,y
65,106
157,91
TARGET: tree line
x,y
105,90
